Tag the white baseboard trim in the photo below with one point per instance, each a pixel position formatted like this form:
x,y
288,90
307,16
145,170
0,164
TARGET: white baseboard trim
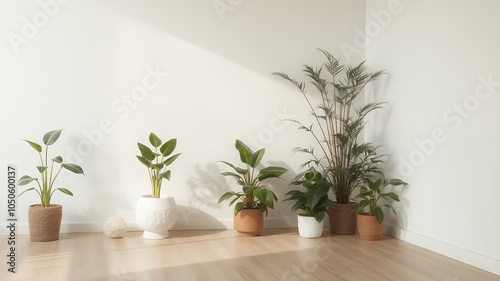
x,y
466,256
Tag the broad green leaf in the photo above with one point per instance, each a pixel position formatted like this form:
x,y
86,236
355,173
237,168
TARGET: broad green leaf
x,y
257,157
146,152
170,160
226,196
24,180
58,159
72,168
168,147
396,182
158,166
231,174
248,189
238,207
319,216
41,169
65,191
271,172
166,175
244,150
154,140
51,137
390,195
29,189
36,146
379,214
144,161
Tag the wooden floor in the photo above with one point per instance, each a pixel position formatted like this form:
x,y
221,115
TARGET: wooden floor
x,y
278,254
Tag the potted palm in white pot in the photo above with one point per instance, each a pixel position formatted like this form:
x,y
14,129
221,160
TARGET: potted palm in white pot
x,y
45,218
157,214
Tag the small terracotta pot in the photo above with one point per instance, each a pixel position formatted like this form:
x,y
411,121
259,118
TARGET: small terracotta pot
x,y
343,218
368,227
44,222
249,222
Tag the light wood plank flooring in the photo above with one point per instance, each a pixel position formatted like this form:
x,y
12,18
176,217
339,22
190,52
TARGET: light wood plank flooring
x,y
279,254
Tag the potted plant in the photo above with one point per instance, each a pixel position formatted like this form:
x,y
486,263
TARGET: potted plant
x,y
156,214
313,202
347,161
371,224
45,218
254,200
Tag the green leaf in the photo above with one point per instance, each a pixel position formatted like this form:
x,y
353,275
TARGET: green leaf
x,y
144,161
271,172
65,191
238,207
166,175
168,147
24,180
231,174
51,137
379,214
146,152
226,196
257,157
41,169
58,159
170,160
29,189
245,152
36,146
72,168
396,182
158,166
390,195
319,216
154,140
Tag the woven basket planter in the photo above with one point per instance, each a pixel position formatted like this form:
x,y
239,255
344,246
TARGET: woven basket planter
x,y
343,218
44,222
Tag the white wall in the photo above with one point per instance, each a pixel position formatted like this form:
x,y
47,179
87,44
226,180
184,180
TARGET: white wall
x,y
441,124
81,65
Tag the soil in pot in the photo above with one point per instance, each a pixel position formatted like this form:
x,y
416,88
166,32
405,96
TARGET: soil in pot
x,y
44,222
343,218
368,227
249,222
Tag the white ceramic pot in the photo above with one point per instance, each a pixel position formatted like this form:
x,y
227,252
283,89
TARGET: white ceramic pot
x,y
155,216
309,227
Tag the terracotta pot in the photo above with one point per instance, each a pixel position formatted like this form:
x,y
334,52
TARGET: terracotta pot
x,y
44,222
343,218
249,222
155,216
368,227
309,227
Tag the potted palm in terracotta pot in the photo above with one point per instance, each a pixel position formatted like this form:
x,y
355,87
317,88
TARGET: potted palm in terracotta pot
x,y
371,223
254,200
346,160
313,202
156,214
45,218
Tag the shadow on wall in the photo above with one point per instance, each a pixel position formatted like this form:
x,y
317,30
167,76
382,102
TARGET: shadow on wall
x,y
237,29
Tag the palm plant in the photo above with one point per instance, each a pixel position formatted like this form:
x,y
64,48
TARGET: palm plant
x,y
49,171
254,194
347,161
157,161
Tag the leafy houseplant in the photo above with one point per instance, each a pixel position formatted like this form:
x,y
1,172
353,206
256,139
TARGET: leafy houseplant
x,y
313,201
40,229
157,161
254,197
371,224
337,126
156,214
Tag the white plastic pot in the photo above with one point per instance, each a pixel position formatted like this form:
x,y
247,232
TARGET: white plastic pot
x,y
309,227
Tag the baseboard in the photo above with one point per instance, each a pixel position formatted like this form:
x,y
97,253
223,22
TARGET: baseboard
x,y
477,260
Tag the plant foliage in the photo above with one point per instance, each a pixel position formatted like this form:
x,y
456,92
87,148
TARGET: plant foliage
x,y
254,195
370,195
337,126
157,160
48,170
314,200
